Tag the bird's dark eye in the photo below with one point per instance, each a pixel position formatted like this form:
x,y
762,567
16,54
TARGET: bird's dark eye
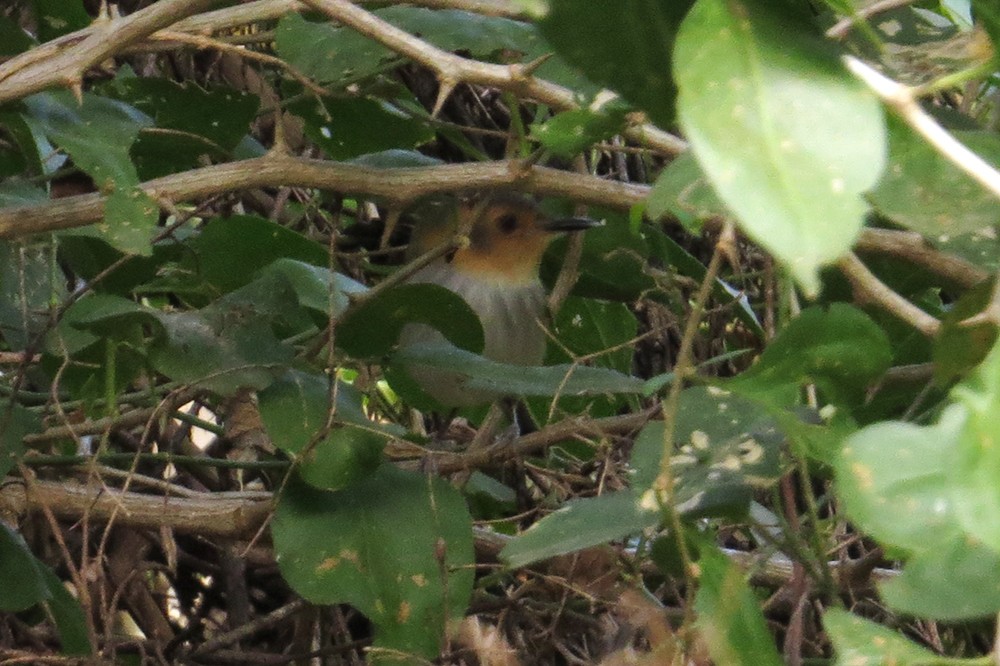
x,y
507,223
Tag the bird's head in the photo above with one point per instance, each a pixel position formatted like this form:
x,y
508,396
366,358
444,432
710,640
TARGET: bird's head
x,y
507,237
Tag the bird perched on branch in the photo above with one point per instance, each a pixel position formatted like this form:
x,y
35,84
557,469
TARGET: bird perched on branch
x,y
496,273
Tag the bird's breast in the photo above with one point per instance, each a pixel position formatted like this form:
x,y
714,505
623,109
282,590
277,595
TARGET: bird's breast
x,y
509,312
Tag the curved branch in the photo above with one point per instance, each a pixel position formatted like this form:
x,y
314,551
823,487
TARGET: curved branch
x,y
398,186
452,69
63,63
868,288
211,516
912,247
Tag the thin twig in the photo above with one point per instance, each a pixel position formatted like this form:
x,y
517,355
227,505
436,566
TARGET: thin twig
x,y
901,99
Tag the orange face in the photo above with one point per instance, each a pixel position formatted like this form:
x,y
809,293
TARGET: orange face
x,y
506,241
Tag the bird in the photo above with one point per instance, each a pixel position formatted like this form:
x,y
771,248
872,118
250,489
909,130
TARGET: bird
x,y
496,273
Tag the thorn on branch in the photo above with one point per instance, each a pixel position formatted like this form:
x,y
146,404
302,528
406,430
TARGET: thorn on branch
x,y
523,72
445,90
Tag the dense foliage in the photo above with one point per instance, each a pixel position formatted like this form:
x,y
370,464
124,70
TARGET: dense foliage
x,y
767,425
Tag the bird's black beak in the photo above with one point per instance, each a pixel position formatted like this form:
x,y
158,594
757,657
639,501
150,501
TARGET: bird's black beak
x,y
571,224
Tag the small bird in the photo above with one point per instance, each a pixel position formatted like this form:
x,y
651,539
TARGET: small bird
x,y
497,275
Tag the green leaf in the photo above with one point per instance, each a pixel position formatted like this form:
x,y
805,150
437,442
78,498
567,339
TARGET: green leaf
x,y
613,263
15,423
729,616
327,54
429,304
393,159
27,582
13,39
861,642
980,247
924,191
571,132
98,134
579,524
809,138
229,251
893,480
589,327
230,344
477,373
840,349
29,287
988,16
625,45
95,316
24,581
454,30
296,408
189,122
68,615
960,347
396,545
683,190
957,579
725,448
976,468
59,17
347,128
15,193
187,107
317,289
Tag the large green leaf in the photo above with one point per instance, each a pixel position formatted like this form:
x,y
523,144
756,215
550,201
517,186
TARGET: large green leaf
x,y
727,449
68,615
24,583
960,346
586,327
976,468
225,347
318,289
60,17
481,374
13,39
28,582
861,642
29,287
840,349
893,480
328,54
349,127
15,423
729,616
394,308
957,579
229,251
622,44
98,134
579,524
926,192
724,448
788,140
396,545
297,408
683,190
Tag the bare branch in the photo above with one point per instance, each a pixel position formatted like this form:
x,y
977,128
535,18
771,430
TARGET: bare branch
x,y
901,99
64,62
869,288
396,186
